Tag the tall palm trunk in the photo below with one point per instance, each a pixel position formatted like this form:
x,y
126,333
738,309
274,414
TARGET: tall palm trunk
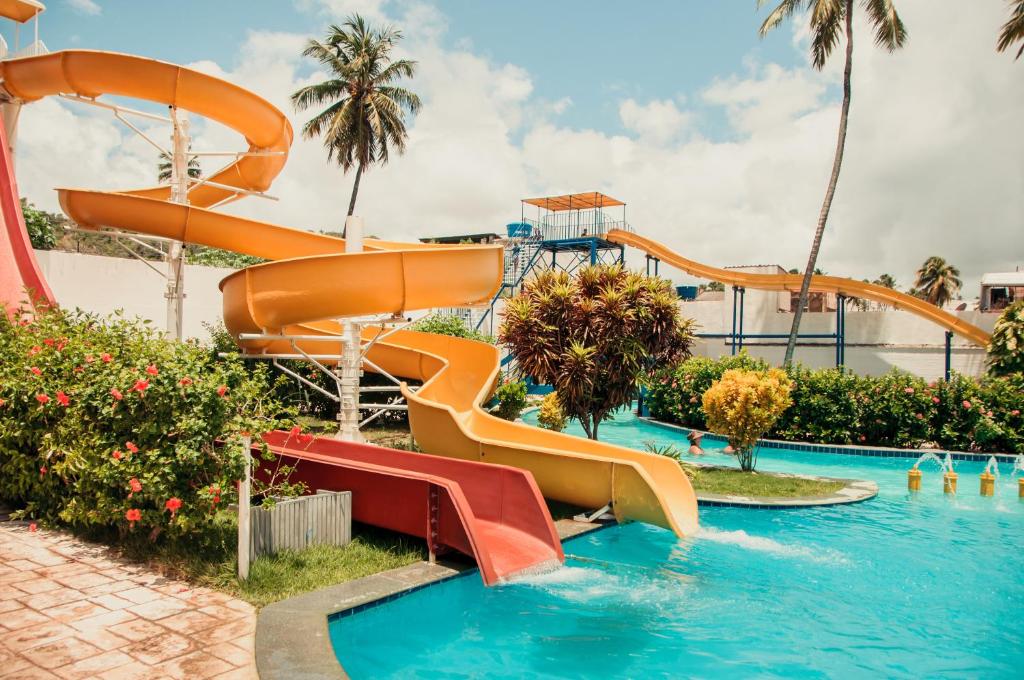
x,y
837,164
352,201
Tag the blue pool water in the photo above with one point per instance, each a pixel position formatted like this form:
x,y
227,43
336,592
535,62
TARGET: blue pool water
x,y
924,586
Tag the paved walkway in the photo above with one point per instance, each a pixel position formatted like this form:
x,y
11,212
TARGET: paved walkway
x,y
70,609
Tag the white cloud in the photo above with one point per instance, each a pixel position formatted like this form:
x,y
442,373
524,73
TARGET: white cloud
x,y
85,7
658,120
932,163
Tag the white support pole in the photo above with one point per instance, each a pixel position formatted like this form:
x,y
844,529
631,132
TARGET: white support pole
x,y
244,492
351,362
179,194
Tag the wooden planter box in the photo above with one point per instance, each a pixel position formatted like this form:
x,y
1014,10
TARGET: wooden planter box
x,y
294,524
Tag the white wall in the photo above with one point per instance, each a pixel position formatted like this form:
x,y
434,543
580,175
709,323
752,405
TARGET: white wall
x,y
105,284
876,341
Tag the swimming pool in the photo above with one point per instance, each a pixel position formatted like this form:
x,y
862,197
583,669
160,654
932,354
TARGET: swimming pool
x,y
901,585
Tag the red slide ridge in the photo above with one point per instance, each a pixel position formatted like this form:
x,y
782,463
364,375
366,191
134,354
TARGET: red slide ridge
x,y
493,513
18,267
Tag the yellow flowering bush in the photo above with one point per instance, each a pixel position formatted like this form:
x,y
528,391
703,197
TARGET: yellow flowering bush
x,y
744,405
551,416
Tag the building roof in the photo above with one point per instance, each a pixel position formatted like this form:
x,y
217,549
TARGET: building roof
x,y
585,201
459,238
20,10
1003,279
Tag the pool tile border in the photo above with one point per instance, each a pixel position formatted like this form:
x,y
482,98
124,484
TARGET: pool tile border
x,y
293,640
842,449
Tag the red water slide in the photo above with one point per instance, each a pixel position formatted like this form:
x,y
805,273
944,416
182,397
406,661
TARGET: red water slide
x,y
493,513
19,271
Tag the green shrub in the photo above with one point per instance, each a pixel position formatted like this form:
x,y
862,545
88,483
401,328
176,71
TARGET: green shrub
x,y
447,324
511,398
1006,348
551,416
675,392
895,411
744,406
837,407
106,423
825,407
44,229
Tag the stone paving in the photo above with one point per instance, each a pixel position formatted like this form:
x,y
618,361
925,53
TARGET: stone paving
x,y
70,609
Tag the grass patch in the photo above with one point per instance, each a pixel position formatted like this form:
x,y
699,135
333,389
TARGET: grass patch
x,y
734,482
208,559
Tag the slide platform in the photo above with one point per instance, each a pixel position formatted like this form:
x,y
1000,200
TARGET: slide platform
x,y
791,282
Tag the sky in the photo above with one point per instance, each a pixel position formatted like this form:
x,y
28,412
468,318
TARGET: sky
x,y
720,142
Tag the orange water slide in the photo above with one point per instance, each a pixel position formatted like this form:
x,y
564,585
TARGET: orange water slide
x,y
791,282
312,282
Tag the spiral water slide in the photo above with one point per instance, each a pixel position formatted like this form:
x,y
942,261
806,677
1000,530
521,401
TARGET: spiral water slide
x,y
311,283
791,282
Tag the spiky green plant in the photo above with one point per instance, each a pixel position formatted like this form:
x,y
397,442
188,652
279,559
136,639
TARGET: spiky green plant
x,y
591,336
1006,347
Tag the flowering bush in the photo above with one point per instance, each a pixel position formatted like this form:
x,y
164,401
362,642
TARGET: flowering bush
x,y
837,407
674,392
551,416
744,405
104,422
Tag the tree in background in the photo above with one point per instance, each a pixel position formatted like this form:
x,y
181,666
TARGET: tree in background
x,y
828,19
1006,347
1013,30
44,228
937,281
711,286
365,114
448,324
744,405
164,168
886,281
592,336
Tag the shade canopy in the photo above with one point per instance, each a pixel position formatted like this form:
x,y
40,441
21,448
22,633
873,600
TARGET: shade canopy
x,y
20,10
585,201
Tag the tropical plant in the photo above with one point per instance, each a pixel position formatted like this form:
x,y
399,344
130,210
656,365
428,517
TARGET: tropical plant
x,y
165,171
592,336
365,114
667,450
104,422
744,405
938,282
551,416
1013,30
43,227
886,281
674,391
511,397
215,257
1006,346
828,19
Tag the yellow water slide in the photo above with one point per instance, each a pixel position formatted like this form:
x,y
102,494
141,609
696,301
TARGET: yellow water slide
x,y
791,282
312,282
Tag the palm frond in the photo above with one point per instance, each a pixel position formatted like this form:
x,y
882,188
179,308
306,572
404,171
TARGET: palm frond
x,y
783,11
1013,29
827,24
890,32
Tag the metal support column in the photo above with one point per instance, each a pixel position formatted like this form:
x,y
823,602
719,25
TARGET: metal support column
x,y
949,354
743,294
732,335
351,364
622,256
175,293
593,252
839,328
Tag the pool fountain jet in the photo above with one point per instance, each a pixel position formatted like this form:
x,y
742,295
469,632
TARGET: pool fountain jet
x,y
1018,468
949,477
988,479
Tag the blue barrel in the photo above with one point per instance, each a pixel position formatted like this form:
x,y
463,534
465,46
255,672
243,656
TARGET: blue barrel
x,y
519,229
687,292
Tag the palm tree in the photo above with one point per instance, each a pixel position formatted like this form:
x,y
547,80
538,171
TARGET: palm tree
x,y
164,168
1013,29
365,114
828,19
937,282
886,281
